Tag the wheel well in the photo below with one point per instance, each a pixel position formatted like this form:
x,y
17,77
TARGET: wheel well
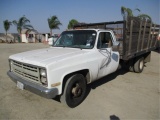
x,y
128,64
84,72
147,57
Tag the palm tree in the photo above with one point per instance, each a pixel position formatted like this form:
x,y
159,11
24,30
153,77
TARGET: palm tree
x,y
128,12
72,23
7,25
22,23
53,23
145,17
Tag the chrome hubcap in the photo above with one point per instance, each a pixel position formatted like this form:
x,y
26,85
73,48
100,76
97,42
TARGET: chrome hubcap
x,y
141,64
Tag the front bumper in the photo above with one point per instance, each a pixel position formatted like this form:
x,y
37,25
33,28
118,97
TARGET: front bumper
x,y
33,87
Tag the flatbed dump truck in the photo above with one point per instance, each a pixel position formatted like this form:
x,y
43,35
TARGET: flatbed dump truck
x,y
82,56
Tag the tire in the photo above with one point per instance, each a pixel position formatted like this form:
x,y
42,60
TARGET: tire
x,y
74,91
129,66
131,69
139,65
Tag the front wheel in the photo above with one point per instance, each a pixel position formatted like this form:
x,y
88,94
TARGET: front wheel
x,y
74,91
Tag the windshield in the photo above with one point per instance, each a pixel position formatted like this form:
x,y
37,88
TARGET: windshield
x,y
83,39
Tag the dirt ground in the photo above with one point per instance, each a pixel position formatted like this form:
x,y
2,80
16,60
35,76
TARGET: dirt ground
x,y
120,96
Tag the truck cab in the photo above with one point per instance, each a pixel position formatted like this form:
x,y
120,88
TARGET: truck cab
x,y
99,45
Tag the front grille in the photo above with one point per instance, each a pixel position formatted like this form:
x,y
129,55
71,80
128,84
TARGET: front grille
x,y
26,71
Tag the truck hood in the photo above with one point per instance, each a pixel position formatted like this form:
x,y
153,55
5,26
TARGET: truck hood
x,y
42,57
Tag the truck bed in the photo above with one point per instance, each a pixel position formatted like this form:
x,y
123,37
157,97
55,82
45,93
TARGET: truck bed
x,y
136,36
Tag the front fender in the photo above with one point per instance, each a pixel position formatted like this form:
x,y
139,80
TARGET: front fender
x,y
58,75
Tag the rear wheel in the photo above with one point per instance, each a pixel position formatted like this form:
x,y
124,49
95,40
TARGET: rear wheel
x,y
129,65
139,65
74,91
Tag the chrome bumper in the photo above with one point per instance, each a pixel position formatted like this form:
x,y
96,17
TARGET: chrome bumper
x,y
33,87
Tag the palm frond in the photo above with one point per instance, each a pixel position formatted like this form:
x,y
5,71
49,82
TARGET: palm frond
x,y
72,23
54,23
126,12
22,24
14,22
28,27
29,30
138,10
144,17
129,12
7,25
123,10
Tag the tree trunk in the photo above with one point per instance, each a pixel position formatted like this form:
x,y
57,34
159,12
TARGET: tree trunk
x,y
20,34
6,37
50,32
20,37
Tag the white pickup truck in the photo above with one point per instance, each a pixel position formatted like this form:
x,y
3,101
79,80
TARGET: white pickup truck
x,y
77,58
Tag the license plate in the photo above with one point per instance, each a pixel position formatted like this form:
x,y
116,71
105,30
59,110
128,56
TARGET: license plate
x,y
20,85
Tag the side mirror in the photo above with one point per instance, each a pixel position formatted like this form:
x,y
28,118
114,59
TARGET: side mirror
x,y
115,46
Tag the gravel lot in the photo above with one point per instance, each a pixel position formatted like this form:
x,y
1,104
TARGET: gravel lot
x,y
120,96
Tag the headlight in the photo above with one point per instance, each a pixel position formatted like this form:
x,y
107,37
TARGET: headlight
x,y
43,72
43,76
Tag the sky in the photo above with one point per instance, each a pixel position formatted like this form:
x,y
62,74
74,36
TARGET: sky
x,y
88,11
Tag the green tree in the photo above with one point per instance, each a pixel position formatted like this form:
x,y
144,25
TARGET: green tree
x,y
7,25
144,17
72,23
128,12
22,23
53,23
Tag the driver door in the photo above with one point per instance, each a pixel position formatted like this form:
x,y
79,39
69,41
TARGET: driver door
x,y
109,60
